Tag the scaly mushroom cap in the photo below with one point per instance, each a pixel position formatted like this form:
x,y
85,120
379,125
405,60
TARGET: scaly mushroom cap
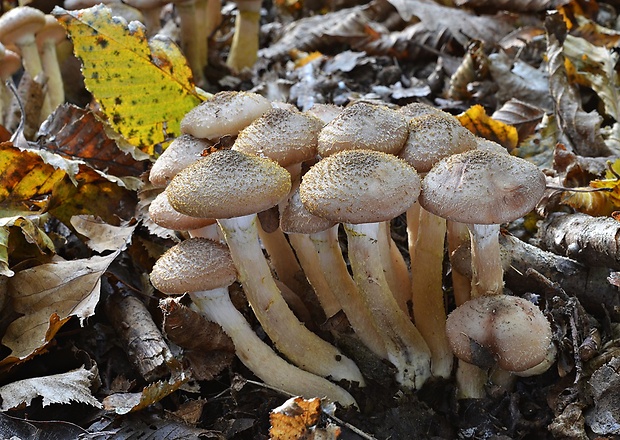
x,y
228,184
19,23
193,265
162,214
417,109
286,136
508,330
359,186
226,113
325,112
364,126
296,219
482,187
183,151
432,137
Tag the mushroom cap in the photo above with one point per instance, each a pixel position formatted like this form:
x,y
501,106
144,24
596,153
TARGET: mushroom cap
x,y
52,30
228,184
183,151
20,24
325,112
508,330
296,219
359,186
432,137
416,109
10,62
482,187
489,145
286,136
226,113
364,126
194,265
162,214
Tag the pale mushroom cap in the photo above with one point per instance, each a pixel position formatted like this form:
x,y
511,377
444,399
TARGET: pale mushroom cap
x,y
20,23
194,265
432,137
486,144
364,126
183,151
286,136
10,62
359,186
296,219
52,30
482,187
162,214
226,113
325,112
508,329
416,109
228,184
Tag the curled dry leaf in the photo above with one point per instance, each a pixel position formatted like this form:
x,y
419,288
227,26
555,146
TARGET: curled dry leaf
x,y
72,386
298,418
521,115
512,5
101,236
47,296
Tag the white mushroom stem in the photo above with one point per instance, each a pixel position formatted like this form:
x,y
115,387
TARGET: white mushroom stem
x,y
291,338
190,38
310,262
427,292
334,268
244,47
259,357
487,271
405,346
395,267
55,86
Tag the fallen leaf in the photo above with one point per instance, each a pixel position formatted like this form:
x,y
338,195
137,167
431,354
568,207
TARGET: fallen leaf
x,y
144,90
521,115
297,419
476,120
72,386
47,296
101,236
32,231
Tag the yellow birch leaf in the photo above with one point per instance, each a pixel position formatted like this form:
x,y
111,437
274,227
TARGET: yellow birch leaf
x,y
143,89
476,120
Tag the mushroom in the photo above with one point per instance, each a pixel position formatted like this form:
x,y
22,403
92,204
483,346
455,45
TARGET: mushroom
x,y
162,214
10,63
244,47
501,329
47,38
183,151
191,43
205,269
361,188
483,189
224,114
151,11
232,187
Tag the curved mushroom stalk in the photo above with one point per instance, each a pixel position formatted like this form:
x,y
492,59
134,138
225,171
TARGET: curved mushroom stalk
x,y
259,357
296,342
487,271
406,348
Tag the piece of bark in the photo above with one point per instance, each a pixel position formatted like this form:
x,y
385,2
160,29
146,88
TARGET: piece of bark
x,y
593,241
143,341
588,284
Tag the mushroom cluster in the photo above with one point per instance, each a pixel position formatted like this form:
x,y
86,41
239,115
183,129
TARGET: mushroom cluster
x,y
354,168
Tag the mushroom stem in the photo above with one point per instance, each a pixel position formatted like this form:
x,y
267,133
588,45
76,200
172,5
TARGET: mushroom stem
x,y
296,342
244,47
396,271
487,272
55,86
259,357
429,312
405,346
190,39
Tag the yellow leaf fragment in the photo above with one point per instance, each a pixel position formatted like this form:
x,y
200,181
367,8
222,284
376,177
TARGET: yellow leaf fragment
x,y
143,89
476,120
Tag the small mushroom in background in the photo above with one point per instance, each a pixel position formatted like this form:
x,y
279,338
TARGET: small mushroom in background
x,y
232,187
361,188
244,47
10,62
183,151
151,13
205,269
47,38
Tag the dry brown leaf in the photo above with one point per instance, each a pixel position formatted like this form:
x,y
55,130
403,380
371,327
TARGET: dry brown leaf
x,y
47,296
297,419
521,115
513,5
581,128
72,386
101,236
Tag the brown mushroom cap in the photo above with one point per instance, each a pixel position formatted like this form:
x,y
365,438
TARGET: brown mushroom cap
x,y
10,62
359,186
296,219
364,126
228,184
162,214
52,30
416,109
183,151
20,23
226,113
506,329
432,137
194,265
481,187
286,136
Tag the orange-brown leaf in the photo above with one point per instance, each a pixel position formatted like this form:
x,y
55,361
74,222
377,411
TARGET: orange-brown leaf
x,y
476,120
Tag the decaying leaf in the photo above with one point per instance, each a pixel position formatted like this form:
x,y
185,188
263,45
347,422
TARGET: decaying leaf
x,y
47,296
476,120
72,386
102,236
31,228
521,115
297,418
124,403
144,90
513,5
604,417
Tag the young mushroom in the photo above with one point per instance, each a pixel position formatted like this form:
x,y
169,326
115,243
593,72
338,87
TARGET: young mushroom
x,y
232,187
183,151
244,47
10,63
361,188
205,269
47,38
